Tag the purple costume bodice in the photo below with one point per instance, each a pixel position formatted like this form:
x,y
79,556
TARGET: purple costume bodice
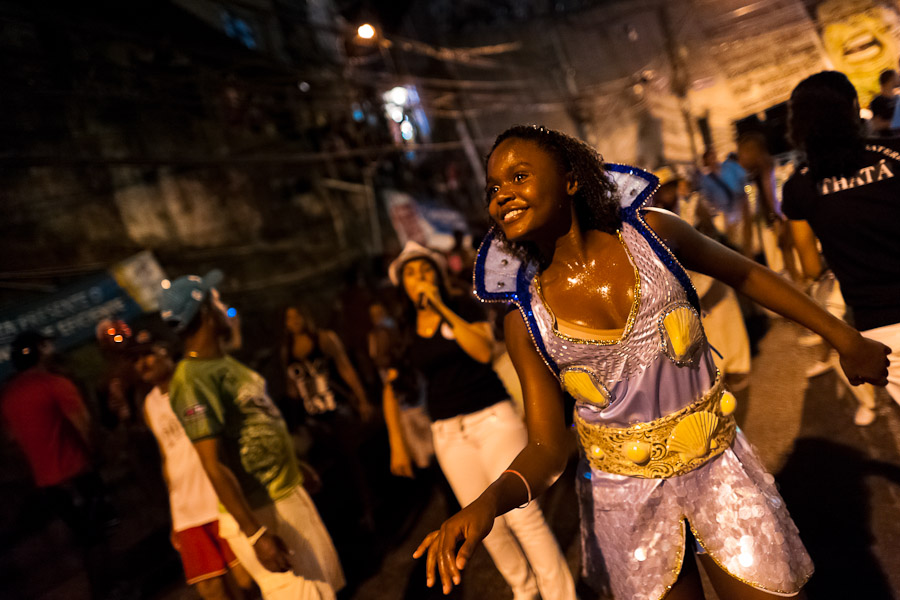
x,y
637,380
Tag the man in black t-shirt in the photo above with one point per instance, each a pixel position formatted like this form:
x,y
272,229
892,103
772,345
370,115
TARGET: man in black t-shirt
x,y
857,220
882,105
848,196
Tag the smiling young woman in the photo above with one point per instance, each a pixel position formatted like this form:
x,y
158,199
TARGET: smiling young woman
x,y
607,313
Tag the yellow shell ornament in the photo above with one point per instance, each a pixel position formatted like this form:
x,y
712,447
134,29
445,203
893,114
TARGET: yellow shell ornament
x,y
638,452
691,437
681,332
583,385
727,404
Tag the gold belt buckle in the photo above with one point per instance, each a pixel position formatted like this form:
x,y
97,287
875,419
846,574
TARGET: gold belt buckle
x,y
669,446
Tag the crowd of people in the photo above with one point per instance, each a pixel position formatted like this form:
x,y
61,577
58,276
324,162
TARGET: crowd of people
x,y
635,295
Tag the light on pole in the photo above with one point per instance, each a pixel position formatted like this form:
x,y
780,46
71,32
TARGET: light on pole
x,y
365,31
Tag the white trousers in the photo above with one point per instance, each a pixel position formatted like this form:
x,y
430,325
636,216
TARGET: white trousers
x,y
473,451
889,335
317,572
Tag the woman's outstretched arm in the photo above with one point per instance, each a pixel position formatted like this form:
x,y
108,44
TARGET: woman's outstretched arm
x,y
863,360
540,463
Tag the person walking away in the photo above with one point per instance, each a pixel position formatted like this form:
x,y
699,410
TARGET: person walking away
x,y
847,196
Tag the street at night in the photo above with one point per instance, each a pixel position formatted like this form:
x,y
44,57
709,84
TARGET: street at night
x,y
521,299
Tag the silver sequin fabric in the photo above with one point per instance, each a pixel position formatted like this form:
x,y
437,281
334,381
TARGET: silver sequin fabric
x,y
633,530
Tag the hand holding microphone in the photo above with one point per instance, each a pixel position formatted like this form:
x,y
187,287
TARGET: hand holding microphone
x,y
427,294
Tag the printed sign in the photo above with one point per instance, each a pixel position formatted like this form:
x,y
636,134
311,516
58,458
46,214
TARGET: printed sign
x,y
69,315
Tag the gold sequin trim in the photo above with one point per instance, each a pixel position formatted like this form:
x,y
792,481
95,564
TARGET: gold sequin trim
x,y
676,573
752,584
643,450
632,314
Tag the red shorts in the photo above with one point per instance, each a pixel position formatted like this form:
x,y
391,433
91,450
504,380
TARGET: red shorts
x,y
203,553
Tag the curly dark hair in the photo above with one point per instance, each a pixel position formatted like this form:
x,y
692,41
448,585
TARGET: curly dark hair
x,y
824,124
596,201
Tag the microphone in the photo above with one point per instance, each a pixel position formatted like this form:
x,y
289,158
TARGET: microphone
x,y
422,302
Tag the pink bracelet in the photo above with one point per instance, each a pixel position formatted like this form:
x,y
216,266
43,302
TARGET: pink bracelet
x,y
255,537
525,481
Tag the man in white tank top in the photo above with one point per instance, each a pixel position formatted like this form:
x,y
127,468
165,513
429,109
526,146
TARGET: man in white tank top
x,y
194,506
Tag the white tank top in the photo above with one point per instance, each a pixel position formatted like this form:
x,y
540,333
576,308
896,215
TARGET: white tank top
x,y
192,499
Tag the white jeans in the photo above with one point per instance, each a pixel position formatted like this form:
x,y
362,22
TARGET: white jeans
x,y
473,451
889,335
317,572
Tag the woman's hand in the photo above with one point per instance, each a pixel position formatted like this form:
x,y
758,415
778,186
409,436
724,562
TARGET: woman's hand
x,y
429,293
865,361
401,464
470,525
272,553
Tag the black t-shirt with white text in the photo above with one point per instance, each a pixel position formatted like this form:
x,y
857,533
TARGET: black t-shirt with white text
x,y
857,220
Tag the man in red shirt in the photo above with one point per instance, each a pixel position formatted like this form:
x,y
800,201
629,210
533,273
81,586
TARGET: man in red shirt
x,y
45,414
47,417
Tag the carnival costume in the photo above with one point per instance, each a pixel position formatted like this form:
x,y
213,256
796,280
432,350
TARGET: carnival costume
x,y
659,446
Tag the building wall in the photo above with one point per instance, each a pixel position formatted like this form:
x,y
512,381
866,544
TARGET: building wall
x,y
133,131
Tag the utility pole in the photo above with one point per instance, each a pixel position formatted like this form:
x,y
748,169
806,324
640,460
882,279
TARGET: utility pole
x,y
571,86
679,77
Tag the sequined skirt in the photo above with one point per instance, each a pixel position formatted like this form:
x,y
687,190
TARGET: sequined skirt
x,y
633,529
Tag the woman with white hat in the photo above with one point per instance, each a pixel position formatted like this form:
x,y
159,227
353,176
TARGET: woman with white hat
x,y
476,430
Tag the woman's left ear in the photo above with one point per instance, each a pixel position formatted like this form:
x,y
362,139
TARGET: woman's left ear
x,y
571,185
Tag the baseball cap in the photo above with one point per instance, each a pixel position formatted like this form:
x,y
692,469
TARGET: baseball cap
x,y
411,251
181,299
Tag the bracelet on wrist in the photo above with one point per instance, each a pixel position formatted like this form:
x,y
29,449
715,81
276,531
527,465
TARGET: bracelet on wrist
x,y
527,487
255,537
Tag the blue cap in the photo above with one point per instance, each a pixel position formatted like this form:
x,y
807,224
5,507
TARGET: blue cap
x,y
181,299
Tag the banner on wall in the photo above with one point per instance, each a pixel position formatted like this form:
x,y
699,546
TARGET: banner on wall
x,y
70,315
429,224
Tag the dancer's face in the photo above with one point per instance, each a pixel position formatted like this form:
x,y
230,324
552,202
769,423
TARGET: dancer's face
x,y
416,273
529,193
